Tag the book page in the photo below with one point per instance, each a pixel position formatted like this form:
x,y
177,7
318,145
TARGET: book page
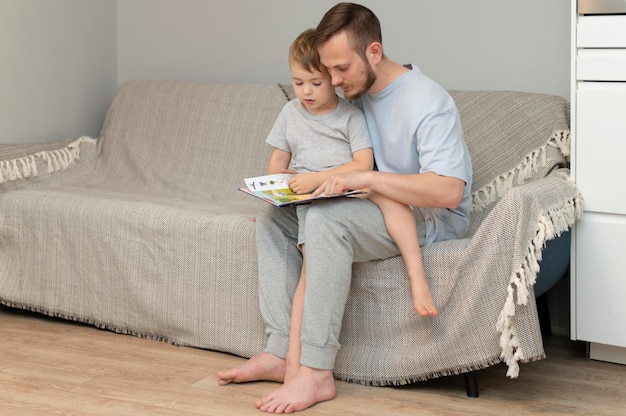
x,y
275,190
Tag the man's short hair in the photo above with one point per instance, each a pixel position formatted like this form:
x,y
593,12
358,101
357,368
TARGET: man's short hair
x,y
360,23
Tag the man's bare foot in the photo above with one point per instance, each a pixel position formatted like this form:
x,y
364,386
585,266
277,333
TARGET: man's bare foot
x,y
308,387
423,302
263,366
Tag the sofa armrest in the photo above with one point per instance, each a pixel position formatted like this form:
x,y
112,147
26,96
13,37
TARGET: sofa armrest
x,y
549,206
518,226
19,162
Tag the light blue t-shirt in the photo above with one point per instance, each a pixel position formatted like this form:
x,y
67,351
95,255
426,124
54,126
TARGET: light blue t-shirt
x,y
415,127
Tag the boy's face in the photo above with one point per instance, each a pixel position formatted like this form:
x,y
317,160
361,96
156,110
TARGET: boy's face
x,y
346,67
313,89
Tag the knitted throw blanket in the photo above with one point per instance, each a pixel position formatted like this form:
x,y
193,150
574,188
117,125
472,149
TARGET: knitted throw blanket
x,y
143,232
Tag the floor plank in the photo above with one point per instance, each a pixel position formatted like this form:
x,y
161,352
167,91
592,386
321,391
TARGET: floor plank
x,y
54,367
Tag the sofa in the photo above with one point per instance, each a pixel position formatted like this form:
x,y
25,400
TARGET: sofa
x,y
142,231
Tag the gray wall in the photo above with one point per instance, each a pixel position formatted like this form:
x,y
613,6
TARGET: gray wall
x,y
464,44
58,69
63,59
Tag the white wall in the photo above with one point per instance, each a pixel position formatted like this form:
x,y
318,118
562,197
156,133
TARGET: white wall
x,y
58,69
477,44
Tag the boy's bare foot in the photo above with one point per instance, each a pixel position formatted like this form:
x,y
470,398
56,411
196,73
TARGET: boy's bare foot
x,y
308,387
423,302
263,366
292,366
425,308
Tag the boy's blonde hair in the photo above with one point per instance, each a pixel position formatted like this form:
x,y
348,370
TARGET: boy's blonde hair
x,y
303,51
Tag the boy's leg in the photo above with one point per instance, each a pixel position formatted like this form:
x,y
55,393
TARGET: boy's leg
x,y
297,307
280,264
402,227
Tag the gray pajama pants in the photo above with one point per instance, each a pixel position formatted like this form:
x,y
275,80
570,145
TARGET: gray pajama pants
x,y
338,233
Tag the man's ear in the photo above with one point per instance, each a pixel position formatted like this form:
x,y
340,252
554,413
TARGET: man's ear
x,y
375,52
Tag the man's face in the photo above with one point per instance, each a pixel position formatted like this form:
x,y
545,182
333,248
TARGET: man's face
x,y
346,67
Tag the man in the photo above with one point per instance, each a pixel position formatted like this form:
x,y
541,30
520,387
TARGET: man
x,y
422,162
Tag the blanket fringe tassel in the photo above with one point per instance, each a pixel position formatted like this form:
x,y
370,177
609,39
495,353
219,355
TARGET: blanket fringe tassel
x,y
56,160
93,322
552,224
492,192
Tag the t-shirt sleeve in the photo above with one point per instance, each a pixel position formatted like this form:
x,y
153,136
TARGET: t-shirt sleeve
x,y
441,147
278,135
358,133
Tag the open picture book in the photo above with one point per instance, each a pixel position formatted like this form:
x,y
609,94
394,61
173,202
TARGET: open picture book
x,y
275,190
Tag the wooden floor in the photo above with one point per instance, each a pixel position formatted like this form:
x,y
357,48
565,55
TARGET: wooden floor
x,y
54,367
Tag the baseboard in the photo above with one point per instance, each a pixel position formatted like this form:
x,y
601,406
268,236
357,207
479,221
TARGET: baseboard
x,y
609,353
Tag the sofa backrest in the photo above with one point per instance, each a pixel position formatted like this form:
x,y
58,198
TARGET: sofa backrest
x,y
182,136
189,138
513,138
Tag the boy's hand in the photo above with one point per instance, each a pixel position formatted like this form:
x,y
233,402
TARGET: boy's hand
x,y
303,183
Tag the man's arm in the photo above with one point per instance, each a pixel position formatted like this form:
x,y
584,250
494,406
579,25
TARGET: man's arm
x,y
425,190
310,182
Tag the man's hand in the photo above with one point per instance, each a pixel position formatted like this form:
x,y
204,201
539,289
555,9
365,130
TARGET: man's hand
x,y
342,183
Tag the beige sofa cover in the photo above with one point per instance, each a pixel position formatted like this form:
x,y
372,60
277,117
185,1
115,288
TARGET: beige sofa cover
x,y
143,232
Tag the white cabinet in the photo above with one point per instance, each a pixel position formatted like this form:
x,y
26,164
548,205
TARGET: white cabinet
x,y
598,124
601,147
600,31
600,279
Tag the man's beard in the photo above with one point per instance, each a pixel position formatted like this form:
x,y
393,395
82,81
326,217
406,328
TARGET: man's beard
x,y
370,78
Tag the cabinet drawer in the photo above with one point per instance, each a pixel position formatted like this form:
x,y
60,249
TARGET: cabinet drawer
x,y
601,65
601,279
600,146
601,32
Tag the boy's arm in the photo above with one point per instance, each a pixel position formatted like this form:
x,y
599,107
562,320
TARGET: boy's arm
x,y
279,161
307,182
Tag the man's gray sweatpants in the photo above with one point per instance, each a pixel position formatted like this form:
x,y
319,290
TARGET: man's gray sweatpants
x,y
338,232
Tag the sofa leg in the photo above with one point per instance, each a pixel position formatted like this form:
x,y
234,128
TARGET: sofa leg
x,y
543,312
471,384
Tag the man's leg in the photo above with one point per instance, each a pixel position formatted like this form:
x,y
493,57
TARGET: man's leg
x,y
337,234
280,263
